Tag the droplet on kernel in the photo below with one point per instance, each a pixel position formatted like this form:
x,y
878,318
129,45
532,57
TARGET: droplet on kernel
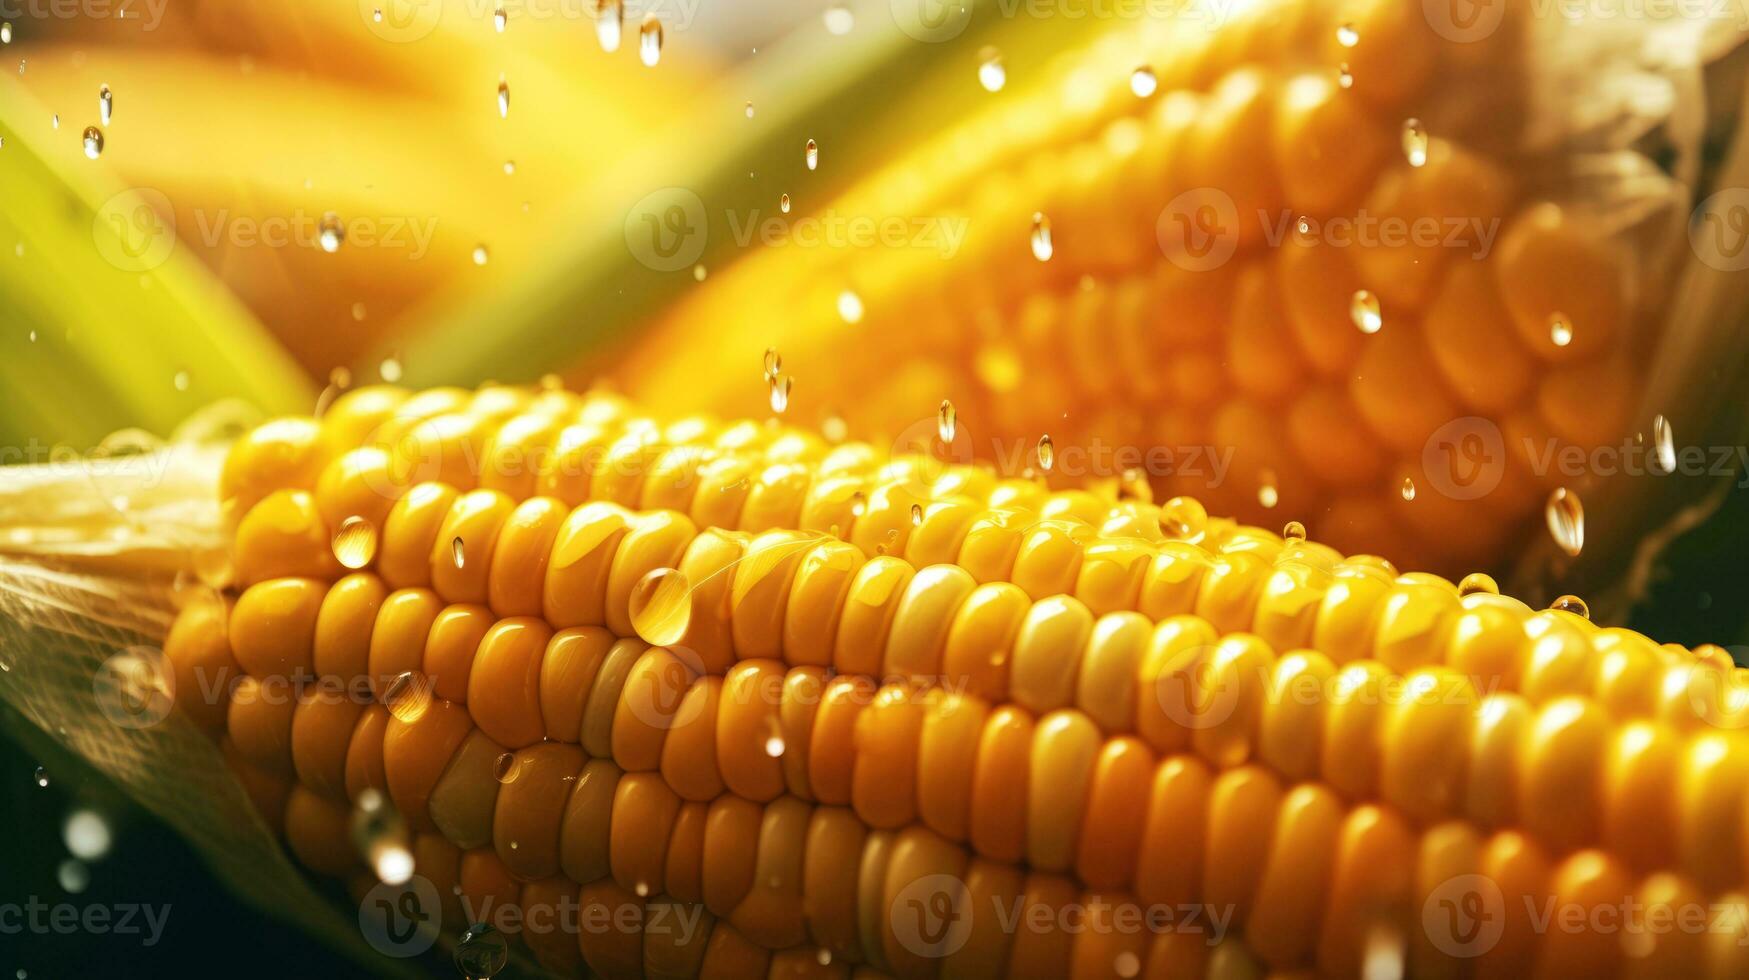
x,y
1408,488
850,307
1478,583
1566,520
992,74
355,542
661,607
916,515
609,24
1363,309
774,738
780,389
330,233
811,154
650,41
1664,444
1143,82
1572,604
503,99
1347,36
407,697
1042,248
946,421
1047,452
504,768
1294,531
1560,329
1184,518
783,204
1414,142
458,552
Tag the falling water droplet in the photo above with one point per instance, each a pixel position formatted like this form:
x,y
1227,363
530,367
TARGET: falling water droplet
x,y
1345,76
54,120
481,256
1042,249
773,363
1047,452
5,33
1572,604
1267,495
509,167
1143,82
500,19
992,74
1294,531
93,142
811,154
609,24
749,110
1560,329
181,380
661,607
1664,444
858,504
376,15
481,953
838,20
780,389
1363,309
650,41
1408,488
1347,36
916,515
330,233
1478,583
850,307
1566,520
503,99
783,204
42,776
1414,142
105,104
946,421
355,542
390,369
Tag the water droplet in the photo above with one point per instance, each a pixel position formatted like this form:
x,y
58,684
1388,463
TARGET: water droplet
x,y
500,19
783,204
1345,76
1560,329
5,33
509,167
86,835
773,363
481,953
54,120
1408,488
823,956
811,154
1664,444
698,272
1566,520
838,20
774,739
1572,604
481,256
1143,82
376,15
105,104
458,552
1363,309
93,141
330,233
390,369
1304,225
407,697
1042,249
1347,36
1294,531
73,876
749,110
180,380
505,767
1047,452
42,776
992,74
355,543
1267,494
850,307
381,836
1414,142
1478,583
661,607
609,24
503,99
858,504
946,421
780,389
650,41
1184,518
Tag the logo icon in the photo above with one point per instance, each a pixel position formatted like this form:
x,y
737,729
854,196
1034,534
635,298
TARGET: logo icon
x,y
932,21
1465,458
1465,916
1464,21
135,687
135,230
921,443
1199,229
401,21
658,699
1719,230
401,920
932,916
1191,692
667,230
1719,698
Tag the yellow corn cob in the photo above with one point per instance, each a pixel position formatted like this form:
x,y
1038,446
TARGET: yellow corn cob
x,y
1529,340
833,761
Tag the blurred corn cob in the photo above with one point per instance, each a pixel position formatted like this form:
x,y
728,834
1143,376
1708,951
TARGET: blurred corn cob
x,y
745,720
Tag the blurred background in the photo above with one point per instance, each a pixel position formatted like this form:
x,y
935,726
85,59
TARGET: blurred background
x,y
269,201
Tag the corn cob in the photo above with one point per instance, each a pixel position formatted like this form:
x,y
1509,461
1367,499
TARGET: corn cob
x,y
810,747
1533,337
